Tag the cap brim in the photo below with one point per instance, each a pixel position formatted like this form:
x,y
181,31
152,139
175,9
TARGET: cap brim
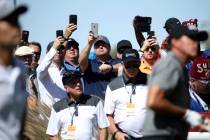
x,y
130,59
18,11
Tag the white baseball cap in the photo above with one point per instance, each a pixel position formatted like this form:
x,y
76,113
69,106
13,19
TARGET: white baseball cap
x,y
24,50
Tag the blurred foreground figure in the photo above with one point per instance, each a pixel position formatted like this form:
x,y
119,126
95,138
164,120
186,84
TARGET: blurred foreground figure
x,y
169,116
12,72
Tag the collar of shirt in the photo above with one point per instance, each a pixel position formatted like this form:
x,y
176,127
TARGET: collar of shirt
x,y
82,99
69,66
140,78
106,62
145,67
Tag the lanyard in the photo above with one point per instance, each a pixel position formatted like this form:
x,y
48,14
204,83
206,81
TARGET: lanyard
x,y
133,91
203,105
74,114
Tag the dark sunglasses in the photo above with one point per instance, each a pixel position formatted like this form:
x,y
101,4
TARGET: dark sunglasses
x,y
131,65
37,53
152,48
74,47
100,43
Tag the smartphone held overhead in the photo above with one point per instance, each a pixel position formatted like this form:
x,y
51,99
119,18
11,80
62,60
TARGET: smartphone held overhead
x,y
94,29
59,33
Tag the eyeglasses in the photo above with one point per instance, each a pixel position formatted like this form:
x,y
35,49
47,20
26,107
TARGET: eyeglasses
x,y
97,45
74,47
131,65
36,54
153,48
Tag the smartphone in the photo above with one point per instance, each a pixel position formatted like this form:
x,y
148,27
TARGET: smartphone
x,y
59,33
73,19
94,29
150,34
25,35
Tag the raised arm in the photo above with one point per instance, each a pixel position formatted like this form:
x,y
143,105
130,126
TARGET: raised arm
x,y
42,69
83,57
139,36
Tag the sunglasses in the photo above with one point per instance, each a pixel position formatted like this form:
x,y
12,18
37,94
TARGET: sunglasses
x,y
131,65
152,48
74,47
98,44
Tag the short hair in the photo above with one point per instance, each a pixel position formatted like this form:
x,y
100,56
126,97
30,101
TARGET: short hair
x,y
70,76
36,44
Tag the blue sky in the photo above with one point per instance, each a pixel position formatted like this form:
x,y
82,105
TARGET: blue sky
x,y
114,17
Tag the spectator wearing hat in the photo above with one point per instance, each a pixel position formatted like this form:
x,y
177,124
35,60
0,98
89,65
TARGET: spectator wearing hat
x,y
125,100
72,55
168,115
12,73
170,24
98,72
150,51
122,46
200,85
24,53
78,116
50,70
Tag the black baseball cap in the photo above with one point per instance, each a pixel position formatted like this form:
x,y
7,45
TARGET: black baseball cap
x,y
171,22
130,55
193,34
123,45
72,42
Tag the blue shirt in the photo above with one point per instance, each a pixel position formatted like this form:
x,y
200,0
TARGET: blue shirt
x,y
70,67
95,81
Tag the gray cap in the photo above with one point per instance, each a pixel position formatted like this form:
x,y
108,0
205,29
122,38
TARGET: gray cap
x,y
8,9
103,39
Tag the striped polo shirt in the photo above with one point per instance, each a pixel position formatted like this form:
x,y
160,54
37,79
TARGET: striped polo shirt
x,y
79,120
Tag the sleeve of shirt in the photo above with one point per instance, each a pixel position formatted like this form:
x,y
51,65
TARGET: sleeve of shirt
x,y
101,116
164,75
42,69
53,124
109,105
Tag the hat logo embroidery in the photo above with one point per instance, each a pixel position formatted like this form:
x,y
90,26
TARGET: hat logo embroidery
x,y
131,54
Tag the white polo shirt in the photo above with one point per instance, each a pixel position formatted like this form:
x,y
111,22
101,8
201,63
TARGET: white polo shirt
x,y
82,123
127,104
13,100
49,79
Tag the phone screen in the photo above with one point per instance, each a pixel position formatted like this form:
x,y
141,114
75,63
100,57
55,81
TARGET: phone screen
x,y
73,19
94,29
25,35
59,33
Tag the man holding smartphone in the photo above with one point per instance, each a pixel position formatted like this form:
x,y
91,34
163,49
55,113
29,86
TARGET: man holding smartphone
x,y
50,70
95,77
